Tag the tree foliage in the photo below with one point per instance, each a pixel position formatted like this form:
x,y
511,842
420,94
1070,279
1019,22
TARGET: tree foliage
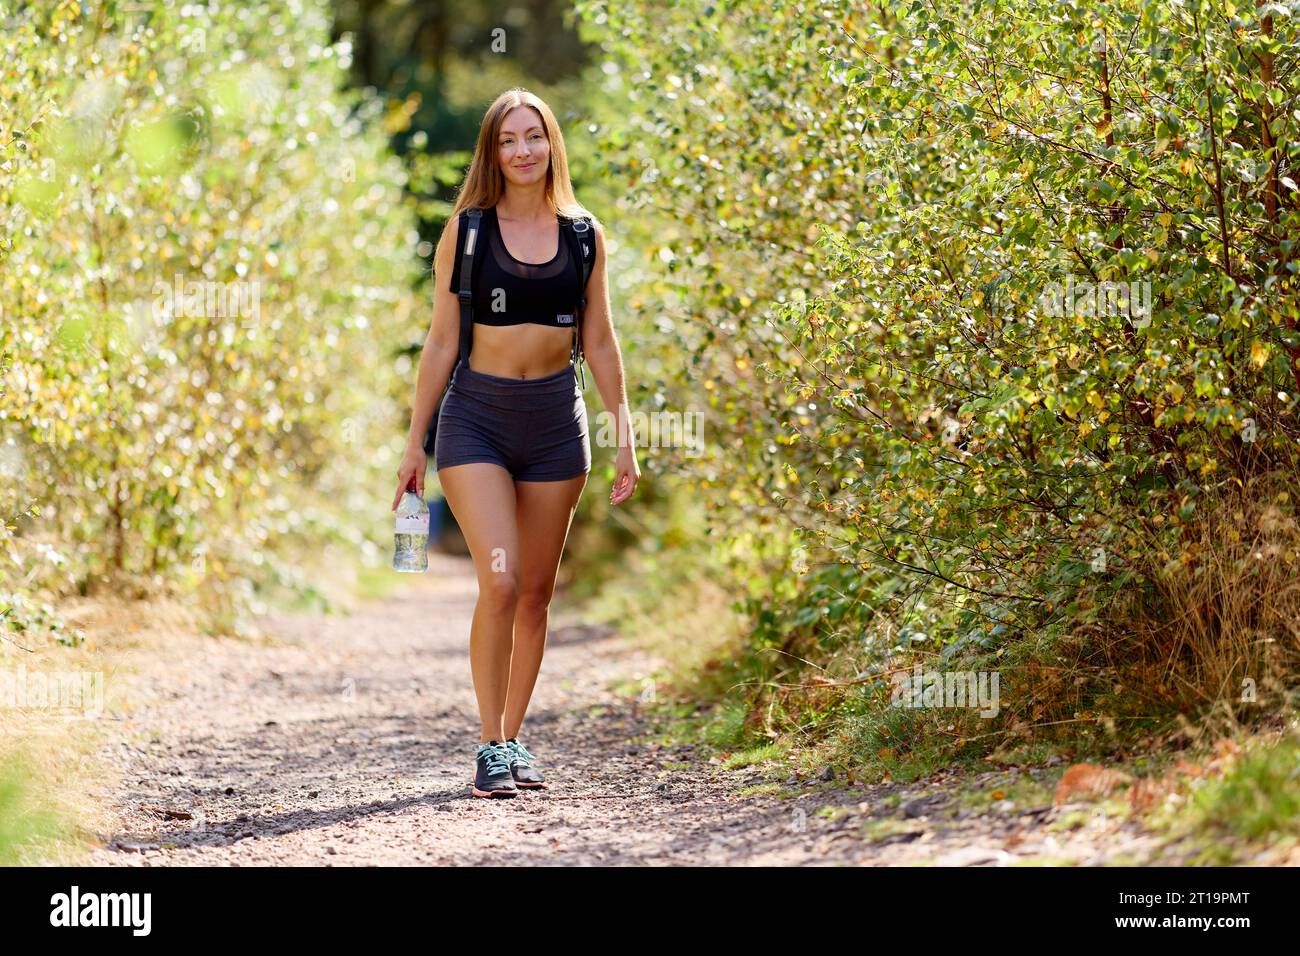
x,y
917,245
207,256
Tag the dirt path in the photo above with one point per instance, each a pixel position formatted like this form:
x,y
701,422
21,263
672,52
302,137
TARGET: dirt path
x,y
348,740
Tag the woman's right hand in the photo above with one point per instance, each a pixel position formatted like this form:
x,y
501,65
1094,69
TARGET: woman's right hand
x,y
413,466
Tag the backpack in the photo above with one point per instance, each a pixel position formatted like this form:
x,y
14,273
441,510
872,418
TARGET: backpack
x,y
578,233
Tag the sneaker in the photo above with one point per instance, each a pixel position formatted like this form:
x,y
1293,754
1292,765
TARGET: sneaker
x,y
521,766
492,777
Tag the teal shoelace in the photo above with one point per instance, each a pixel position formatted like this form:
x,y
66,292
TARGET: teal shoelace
x,y
521,755
497,758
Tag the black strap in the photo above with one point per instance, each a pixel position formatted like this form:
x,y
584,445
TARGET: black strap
x,y
582,246
467,246
470,221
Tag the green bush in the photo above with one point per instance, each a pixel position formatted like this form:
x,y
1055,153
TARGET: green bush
x,y
205,275
26,827
884,263
1258,798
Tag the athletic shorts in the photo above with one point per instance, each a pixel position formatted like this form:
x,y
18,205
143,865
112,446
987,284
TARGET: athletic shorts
x,y
535,428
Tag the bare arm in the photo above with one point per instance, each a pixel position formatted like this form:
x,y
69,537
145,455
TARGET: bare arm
x,y
600,345
437,359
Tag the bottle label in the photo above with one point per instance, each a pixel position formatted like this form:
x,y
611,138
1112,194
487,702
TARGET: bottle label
x,y
413,524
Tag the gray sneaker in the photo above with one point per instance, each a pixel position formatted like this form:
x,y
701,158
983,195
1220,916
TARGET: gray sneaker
x,y
521,766
492,777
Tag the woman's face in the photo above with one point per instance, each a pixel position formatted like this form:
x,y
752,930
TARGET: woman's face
x,y
522,147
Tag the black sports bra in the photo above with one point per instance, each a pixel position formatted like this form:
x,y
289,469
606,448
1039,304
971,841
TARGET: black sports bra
x,y
510,292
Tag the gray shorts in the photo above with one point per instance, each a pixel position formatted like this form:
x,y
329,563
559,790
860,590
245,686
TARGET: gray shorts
x,y
535,428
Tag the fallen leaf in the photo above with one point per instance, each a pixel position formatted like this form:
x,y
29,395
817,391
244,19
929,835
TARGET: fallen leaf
x,y
1085,781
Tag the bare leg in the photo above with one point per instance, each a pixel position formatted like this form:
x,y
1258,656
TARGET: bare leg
x,y
482,497
544,512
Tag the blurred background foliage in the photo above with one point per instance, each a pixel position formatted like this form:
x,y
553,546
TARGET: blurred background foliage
x,y
208,268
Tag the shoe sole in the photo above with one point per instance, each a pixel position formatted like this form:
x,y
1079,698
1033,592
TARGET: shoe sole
x,y
491,793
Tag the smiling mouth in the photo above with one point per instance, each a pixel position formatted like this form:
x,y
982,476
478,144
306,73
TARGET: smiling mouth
x,y
528,166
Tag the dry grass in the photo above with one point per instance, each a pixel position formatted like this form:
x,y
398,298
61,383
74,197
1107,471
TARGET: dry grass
x,y
690,626
52,781
1217,635
1209,648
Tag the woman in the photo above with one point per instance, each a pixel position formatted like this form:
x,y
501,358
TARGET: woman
x,y
512,449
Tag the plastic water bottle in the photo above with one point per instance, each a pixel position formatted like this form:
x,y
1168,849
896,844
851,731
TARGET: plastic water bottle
x,y
411,542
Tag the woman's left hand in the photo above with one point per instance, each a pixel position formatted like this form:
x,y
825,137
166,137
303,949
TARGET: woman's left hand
x,y
627,474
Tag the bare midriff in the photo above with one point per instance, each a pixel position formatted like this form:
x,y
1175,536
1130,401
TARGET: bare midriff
x,y
526,350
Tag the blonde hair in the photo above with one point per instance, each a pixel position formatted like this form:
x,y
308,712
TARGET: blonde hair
x,y
485,184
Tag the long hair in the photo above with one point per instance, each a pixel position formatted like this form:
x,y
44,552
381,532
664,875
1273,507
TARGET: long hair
x,y
485,184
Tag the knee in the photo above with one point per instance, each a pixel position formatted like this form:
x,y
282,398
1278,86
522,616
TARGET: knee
x,y
535,600
500,592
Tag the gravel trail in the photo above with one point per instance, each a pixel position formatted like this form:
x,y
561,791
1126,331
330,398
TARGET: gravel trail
x,y
348,740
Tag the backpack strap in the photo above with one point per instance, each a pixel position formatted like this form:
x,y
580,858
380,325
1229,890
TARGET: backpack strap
x,y
467,242
466,247
581,236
